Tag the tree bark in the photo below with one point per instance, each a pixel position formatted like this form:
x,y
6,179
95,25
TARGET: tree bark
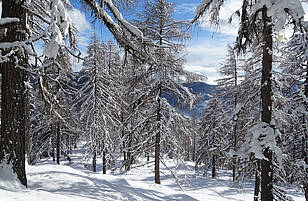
x,y
266,104
194,148
213,166
13,103
157,139
235,124
58,142
304,141
257,183
94,160
104,162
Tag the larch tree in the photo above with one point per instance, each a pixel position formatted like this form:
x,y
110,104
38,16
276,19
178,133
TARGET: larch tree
x,y
228,90
164,75
52,117
97,102
211,145
261,17
294,66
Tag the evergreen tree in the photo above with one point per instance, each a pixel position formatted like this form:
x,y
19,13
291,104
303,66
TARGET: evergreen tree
x,y
163,76
98,103
211,145
228,90
295,70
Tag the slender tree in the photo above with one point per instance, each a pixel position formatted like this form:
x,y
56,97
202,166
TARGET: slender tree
x,y
159,25
97,102
228,90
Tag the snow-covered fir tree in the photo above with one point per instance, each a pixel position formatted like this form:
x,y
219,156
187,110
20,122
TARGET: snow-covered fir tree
x,y
163,76
213,132
98,109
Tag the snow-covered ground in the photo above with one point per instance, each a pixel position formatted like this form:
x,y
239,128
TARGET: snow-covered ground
x,y
50,182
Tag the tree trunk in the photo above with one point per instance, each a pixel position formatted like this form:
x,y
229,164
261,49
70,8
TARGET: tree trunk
x,y
194,149
52,141
14,93
58,142
257,183
304,141
235,123
148,156
234,145
213,166
305,158
94,160
157,139
104,162
266,103
188,149
306,191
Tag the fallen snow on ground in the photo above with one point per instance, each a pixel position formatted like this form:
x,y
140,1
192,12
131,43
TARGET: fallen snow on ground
x,y
50,182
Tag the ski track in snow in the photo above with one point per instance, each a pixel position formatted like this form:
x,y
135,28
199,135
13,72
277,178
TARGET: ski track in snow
x,y
50,182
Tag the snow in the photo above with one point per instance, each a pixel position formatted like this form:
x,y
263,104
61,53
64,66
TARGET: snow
x,y
8,20
276,9
48,181
8,179
59,28
119,17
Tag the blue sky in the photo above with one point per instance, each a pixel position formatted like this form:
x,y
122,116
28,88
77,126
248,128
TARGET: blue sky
x,y
206,49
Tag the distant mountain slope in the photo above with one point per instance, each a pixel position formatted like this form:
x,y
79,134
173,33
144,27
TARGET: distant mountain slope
x,y
202,90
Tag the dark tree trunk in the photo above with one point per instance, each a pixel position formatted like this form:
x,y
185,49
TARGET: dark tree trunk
x,y
185,148
235,123
123,133
234,145
305,158
257,183
306,191
27,125
157,140
52,141
104,162
53,155
304,141
14,94
233,172
188,149
94,161
128,161
148,156
213,166
266,103
58,142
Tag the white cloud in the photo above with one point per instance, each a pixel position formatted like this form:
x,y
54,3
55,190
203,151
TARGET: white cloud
x,y
84,28
79,20
209,72
84,35
207,54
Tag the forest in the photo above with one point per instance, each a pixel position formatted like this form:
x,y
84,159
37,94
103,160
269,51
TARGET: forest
x,y
133,105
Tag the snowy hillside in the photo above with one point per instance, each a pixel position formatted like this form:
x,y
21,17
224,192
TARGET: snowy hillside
x,y
74,182
202,90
